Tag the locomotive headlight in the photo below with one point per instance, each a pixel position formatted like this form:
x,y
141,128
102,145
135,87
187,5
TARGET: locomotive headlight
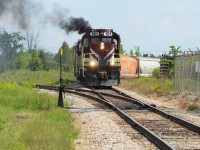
x,y
92,63
102,46
112,63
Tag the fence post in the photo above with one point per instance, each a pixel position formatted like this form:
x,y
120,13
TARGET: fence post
x,y
198,79
175,73
182,73
190,72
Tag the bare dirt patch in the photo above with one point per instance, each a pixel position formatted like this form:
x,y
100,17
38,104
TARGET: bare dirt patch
x,y
180,101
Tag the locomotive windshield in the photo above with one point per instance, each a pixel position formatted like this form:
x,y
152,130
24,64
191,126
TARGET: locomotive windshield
x,y
96,40
106,40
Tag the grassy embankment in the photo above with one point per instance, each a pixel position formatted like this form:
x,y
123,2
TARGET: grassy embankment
x,y
31,120
31,78
158,87
149,85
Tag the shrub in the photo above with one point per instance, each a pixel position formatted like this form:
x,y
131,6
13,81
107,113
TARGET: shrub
x,y
192,107
156,72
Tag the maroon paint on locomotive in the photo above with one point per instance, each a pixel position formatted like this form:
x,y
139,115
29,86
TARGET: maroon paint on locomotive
x,y
94,48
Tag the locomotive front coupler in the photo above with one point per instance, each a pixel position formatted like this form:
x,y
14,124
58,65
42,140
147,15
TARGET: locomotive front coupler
x,y
102,75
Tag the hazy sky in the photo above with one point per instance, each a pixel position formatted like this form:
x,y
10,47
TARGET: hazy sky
x,y
153,25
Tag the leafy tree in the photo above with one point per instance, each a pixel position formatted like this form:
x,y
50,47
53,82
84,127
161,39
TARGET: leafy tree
x,y
174,51
10,44
171,60
44,57
152,56
122,50
137,51
36,63
67,58
23,60
131,52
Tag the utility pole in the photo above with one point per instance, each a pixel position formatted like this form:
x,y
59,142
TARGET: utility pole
x,y
60,97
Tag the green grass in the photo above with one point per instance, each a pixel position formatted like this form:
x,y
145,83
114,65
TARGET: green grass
x,y
148,85
18,97
192,107
31,78
30,120
157,87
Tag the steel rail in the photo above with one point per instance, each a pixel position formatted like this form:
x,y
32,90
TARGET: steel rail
x,y
128,98
112,95
160,143
47,87
178,120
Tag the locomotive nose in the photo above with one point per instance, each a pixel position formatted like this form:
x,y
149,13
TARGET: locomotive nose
x,y
102,46
102,53
102,62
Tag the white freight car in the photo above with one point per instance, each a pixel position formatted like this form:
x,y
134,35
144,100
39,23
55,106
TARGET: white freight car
x,y
147,65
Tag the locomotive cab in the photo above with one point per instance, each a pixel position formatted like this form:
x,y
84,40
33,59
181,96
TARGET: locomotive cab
x,y
97,59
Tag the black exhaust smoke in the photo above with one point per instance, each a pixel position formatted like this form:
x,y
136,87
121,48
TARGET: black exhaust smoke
x,y
60,18
23,11
19,10
75,24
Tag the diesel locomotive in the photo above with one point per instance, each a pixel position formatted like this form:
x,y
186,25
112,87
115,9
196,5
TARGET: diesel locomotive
x,y
97,58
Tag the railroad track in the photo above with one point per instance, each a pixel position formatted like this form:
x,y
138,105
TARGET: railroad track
x,y
164,130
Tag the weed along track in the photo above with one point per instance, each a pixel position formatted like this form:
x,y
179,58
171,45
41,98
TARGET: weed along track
x,y
142,124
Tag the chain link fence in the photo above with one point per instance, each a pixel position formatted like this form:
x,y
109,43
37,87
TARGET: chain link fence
x,y
187,73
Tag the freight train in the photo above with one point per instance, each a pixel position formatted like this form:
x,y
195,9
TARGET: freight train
x,y
133,66
97,58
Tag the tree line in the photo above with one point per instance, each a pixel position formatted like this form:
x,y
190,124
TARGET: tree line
x,y
14,55
135,52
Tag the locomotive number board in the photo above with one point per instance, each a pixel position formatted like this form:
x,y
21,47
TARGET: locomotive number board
x,y
103,33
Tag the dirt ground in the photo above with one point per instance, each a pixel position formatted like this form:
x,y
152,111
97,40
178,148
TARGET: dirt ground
x,y
179,101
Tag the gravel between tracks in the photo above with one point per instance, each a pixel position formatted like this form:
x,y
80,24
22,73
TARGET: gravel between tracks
x,y
104,130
